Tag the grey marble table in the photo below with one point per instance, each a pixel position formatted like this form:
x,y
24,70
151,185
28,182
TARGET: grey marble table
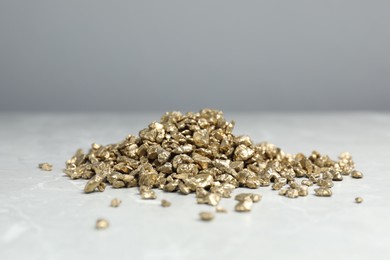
x,y
45,215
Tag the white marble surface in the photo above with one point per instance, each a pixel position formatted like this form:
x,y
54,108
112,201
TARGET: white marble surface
x,y
44,215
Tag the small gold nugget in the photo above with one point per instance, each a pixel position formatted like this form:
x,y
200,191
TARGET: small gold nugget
x,y
307,183
102,224
323,192
45,166
220,209
292,193
303,191
165,203
210,198
115,203
244,206
358,199
147,193
248,196
356,174
206,216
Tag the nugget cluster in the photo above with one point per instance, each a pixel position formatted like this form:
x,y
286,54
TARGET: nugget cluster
x,y
198,153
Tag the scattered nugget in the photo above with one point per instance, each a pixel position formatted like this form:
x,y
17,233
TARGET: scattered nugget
x,y
165,203
115,203
358,199
147,193
244,206
220,209
206,216
356,174
102,224
45,166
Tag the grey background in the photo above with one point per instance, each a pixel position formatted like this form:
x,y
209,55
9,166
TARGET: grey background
x,y
184,55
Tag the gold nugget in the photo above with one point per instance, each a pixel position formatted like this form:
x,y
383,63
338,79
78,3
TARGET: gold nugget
x,y
147,193
323,192
165,203
45,166
307,183
356,174
211,199
115,203
220,209
101,224
206,216
292,193
303,190
248,196
358,199
244,206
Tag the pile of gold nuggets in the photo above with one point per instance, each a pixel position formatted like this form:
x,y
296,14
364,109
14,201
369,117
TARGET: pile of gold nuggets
x,y
198,153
